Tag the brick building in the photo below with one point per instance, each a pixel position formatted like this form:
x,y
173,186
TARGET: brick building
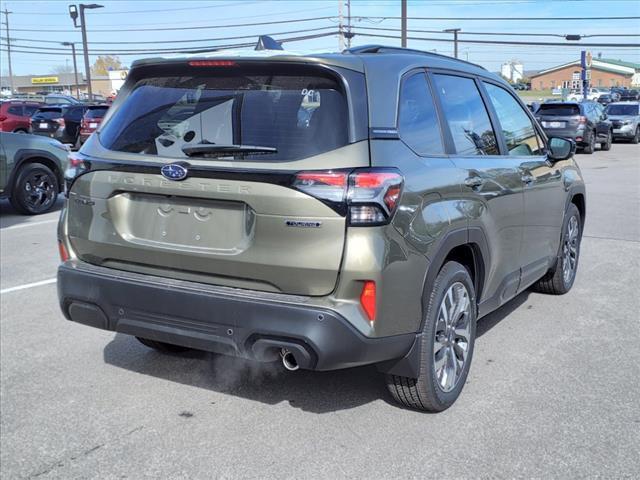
x,y
604,73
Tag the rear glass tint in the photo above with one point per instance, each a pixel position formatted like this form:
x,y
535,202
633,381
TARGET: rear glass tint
x,y
95,112
622,110
559,110
300,111
48,114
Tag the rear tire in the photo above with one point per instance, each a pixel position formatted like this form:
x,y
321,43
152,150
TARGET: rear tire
x,y
560,279
162,346
448,337
35,190
606,146
591,146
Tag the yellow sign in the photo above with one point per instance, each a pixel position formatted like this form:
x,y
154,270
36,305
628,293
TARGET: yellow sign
x,y
41,80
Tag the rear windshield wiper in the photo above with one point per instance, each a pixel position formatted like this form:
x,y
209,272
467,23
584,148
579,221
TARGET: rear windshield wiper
x,y
213,150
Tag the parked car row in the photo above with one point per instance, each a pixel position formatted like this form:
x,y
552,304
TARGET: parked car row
x,y
608,95
70,123
589,123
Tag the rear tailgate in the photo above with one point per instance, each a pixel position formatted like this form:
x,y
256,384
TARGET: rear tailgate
x,y
234,221
556,118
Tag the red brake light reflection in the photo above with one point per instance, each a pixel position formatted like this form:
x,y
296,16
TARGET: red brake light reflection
x,y
335,179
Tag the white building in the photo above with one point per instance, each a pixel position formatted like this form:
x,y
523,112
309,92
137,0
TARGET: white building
x,y
513,71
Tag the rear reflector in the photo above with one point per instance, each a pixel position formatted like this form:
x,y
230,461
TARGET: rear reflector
x,y
64,255
212,63
368,299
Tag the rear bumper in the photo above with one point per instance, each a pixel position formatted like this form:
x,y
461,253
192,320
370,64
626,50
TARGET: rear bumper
x,y
219,319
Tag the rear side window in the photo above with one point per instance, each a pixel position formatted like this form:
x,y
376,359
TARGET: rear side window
x,y
95,113
517,128
466,116
30,109
417,119
15,110
622,109
298,110
559,110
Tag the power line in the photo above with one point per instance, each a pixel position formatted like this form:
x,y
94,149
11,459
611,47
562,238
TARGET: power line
x,y
546,19
231,4
505,42
275,22
208,49
560,35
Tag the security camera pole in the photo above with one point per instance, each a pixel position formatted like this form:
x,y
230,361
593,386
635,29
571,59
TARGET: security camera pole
x,y
73,13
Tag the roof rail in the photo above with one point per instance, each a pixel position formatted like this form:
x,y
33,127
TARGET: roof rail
x,y
374,48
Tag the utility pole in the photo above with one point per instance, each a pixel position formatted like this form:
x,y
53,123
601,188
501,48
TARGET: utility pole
x,y
455,39
340,27
349,34
73,13
403,26
75,65
6,24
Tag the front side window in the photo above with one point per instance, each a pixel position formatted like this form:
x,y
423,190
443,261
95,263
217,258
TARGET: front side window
x,y
417,119
517,128
466,116
15,110
299,111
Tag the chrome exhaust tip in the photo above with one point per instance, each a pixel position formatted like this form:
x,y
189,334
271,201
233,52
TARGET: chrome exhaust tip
x,y
288,360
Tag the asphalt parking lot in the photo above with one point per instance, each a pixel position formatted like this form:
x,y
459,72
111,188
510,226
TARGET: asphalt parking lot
x,y
553,390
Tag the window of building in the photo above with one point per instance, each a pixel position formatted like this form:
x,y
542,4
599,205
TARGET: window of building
x,y
466,116
517,128
417,119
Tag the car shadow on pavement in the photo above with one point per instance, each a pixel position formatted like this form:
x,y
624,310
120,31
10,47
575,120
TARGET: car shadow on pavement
x,y
9,217
316,392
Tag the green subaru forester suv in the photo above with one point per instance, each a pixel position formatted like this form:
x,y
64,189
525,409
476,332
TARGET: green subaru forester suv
x,y
326,211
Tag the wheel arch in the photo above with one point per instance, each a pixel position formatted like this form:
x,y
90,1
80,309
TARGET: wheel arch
x,y
27,156
467,246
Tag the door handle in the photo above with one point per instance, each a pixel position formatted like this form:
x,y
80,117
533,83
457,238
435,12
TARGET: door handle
x,y
527,179
473,182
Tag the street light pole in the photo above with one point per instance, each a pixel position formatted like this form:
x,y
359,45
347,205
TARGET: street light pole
x,y
403,24
455,39
75,65
73,12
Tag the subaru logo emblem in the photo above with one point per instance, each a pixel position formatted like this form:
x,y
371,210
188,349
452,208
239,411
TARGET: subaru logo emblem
x,y
173,171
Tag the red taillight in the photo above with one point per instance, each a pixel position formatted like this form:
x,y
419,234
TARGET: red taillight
x,y
582,120
64,255
75,161
3,118
212,63
59,121
368,299
371,194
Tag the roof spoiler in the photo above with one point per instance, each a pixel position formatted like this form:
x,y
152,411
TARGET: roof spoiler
x,y
265,42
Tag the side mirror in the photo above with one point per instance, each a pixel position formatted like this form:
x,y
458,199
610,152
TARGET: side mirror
x,y
560,149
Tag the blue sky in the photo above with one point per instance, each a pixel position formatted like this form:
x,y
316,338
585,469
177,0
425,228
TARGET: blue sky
x,y
118,16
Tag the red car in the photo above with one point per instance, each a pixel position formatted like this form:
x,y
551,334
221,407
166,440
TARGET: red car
x,y
15,115
91,120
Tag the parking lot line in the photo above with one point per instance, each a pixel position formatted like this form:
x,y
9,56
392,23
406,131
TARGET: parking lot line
x,y
28,285
30,224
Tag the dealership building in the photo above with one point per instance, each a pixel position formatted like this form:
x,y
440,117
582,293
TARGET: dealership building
x,y
604,73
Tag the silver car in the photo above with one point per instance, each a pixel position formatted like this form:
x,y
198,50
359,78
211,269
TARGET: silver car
x,y
625,118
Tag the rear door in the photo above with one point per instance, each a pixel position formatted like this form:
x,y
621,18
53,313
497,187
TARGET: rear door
x,y
544,196
493,185
236,219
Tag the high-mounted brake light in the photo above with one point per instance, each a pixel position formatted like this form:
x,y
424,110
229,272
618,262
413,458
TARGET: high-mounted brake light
x,y
371,194
212,63
368,299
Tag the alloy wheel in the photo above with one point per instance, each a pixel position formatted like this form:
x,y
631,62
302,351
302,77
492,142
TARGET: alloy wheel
x,y
570,250
452,335
39,192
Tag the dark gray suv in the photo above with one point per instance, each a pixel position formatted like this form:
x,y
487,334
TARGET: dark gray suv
x,y
326,211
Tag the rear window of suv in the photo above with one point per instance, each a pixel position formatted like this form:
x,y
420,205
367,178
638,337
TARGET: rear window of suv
x,y
48,114
96,112
622,110
561,110
300,111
